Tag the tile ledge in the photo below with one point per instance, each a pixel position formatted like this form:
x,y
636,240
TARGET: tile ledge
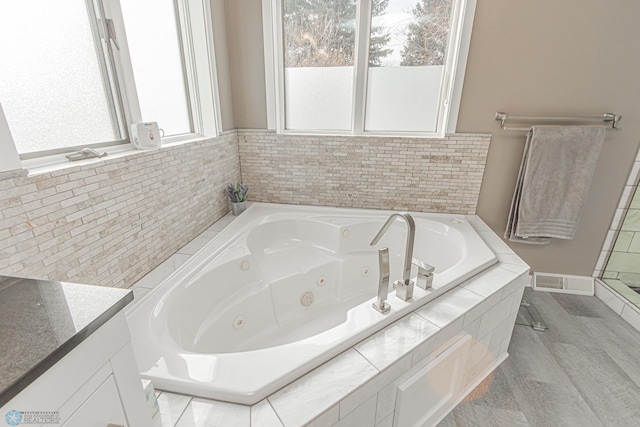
x,y
626,304
14,173
58,162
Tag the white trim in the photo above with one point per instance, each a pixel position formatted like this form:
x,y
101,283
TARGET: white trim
x,y
9,158
446,86
618,303
106,60
57,162
189,67
361,67
278,63
124,69
467,16
372,134
196,31
203,59
451,86
269,64
610,297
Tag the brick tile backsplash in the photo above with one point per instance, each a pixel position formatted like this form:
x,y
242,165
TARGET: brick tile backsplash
x,y
110,223
417,174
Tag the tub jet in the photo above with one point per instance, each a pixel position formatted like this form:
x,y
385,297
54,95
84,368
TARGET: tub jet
x,y
238,322
307,298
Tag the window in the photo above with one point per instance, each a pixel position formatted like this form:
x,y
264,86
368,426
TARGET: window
x,y
367,67
51,84
157,62
319,62
78,73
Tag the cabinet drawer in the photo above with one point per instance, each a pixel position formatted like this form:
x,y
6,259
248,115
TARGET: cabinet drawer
x,y
101,409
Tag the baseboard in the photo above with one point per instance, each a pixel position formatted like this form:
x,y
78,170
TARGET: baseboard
x,y
529,284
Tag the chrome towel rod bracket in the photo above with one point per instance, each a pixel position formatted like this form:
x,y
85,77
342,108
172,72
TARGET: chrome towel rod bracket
x,y
606,117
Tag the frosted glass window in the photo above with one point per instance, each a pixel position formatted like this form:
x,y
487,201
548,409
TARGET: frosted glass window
x,y
319,59
156,58
404,87
51,86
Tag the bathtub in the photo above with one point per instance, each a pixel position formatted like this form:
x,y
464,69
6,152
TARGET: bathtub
x,y
283,289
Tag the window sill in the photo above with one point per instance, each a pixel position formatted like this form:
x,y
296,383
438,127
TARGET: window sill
x,y
368,134
404,135
58,162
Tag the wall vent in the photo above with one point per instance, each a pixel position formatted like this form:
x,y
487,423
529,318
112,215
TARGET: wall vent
x,y
579,285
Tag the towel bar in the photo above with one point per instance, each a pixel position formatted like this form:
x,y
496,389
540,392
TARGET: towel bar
x,y
606,117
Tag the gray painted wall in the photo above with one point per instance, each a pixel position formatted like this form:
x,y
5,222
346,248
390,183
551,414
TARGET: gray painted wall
x,y
532,58
554,58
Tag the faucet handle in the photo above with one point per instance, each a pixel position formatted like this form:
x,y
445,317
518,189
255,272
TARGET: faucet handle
x,y
423,265
383,261
424,279
383,286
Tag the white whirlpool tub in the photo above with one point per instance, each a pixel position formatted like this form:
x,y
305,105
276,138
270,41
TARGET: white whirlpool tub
x,y
230,324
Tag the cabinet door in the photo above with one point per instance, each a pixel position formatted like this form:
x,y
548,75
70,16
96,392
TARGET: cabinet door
x,y
101,409
426,397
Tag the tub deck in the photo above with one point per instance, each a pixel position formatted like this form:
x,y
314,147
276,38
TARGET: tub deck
x,y
405,344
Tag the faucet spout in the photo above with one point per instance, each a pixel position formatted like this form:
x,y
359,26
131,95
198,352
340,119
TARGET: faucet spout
x,y
411,233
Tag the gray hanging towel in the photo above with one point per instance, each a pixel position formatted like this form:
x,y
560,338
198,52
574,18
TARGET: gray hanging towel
x,y
553,183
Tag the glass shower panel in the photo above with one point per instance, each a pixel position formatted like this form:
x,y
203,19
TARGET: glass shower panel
x,y
622,271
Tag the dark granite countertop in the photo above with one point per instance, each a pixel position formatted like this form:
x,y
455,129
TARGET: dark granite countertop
x,y
41,321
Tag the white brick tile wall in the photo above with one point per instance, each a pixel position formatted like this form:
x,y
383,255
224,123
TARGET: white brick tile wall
x,y
417,174
110,223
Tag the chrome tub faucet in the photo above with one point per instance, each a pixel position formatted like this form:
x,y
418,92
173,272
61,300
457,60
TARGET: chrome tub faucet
x,y
404,287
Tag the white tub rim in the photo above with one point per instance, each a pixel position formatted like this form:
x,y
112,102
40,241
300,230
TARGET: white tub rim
x,y
229,233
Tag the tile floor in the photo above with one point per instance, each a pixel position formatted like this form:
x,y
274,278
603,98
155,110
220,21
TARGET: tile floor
x,y
583,371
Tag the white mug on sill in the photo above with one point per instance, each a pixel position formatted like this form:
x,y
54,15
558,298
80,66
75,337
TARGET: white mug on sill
x,y
146,135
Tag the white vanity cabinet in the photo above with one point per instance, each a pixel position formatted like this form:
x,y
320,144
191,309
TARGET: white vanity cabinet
x,y
101,409
95,384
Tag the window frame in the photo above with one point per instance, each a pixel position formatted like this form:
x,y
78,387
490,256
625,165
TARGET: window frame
x,y
451,85
195,30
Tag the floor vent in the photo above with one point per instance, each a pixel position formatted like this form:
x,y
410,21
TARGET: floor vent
x,y
579,285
